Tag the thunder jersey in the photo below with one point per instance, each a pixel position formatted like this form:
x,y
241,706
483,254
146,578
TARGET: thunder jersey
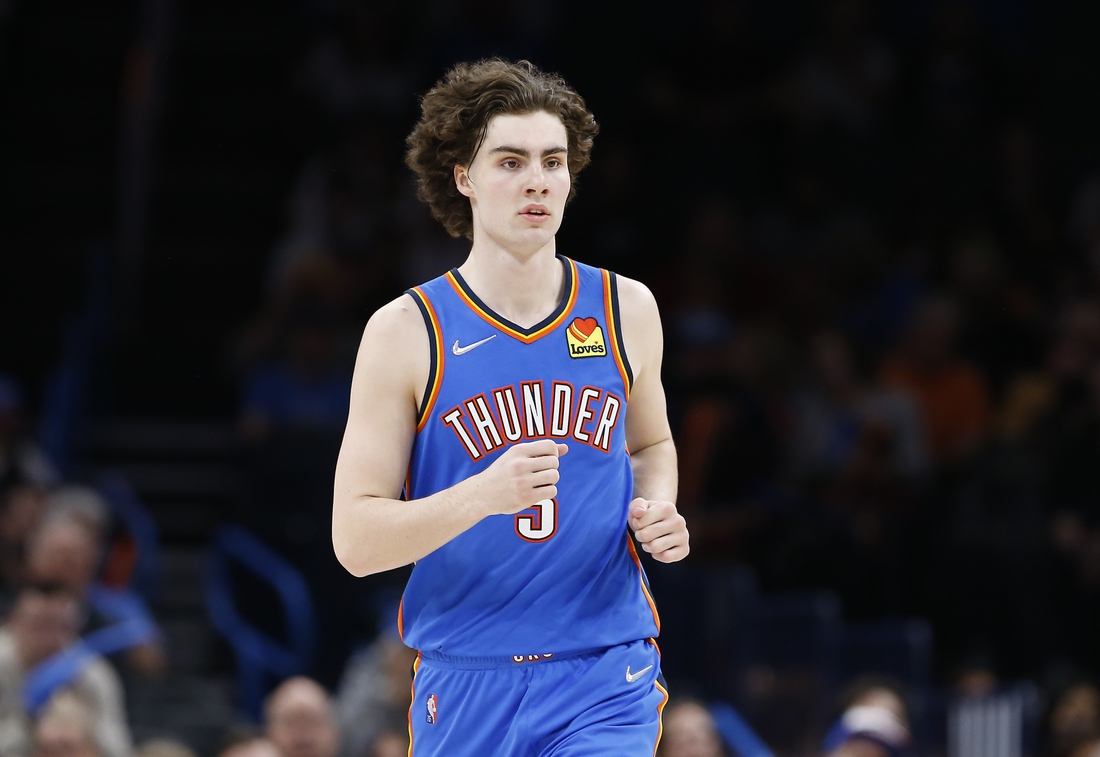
x,y
564,575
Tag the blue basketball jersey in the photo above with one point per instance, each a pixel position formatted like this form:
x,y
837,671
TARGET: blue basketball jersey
x,y
562,576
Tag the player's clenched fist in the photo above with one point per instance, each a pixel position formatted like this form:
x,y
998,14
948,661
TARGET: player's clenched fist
x,y
523,475
660,529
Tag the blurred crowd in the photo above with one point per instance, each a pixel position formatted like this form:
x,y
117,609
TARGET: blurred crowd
x,y
878,276
877,269
879,272
74,640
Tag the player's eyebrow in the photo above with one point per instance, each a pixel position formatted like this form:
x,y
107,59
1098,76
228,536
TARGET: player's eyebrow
x,y
525,153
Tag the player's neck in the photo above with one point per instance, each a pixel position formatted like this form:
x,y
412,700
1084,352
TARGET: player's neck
x,y
523,288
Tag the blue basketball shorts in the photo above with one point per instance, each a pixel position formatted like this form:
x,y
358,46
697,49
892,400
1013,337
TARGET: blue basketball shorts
x,y
601,703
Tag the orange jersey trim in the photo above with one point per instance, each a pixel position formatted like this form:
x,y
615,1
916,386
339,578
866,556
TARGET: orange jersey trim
x,y
412,702
613,331
660,716
641,579
494,321
435,381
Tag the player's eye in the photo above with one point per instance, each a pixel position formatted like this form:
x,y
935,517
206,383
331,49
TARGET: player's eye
x,y
511,163
553,163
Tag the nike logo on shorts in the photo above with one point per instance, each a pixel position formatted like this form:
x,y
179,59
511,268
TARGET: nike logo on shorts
x,y
632,677
455,349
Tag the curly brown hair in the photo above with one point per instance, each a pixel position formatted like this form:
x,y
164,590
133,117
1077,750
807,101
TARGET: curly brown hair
x,y
455,115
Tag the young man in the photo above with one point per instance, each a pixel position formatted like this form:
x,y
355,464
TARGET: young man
x,y
496,397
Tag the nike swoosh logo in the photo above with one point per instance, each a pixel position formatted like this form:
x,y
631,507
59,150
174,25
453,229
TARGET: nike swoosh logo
x,y
463,350
632,677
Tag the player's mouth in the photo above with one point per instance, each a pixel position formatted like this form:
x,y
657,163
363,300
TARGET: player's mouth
x,y
536,213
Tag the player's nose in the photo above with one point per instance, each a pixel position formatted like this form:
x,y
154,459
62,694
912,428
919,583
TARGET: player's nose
x,y
538,184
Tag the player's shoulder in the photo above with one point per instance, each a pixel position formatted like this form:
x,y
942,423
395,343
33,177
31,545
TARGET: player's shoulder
x,y
397,322
636,301
394,349
641,324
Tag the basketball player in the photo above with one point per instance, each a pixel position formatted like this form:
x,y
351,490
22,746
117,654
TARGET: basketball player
x,y
502,399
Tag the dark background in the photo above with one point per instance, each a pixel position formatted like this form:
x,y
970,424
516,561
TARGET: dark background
x,y
873,230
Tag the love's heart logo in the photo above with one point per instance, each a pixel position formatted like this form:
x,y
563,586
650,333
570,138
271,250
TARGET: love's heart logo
x,y
582,328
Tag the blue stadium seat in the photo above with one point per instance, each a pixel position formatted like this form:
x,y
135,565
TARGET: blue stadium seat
x,y
736,734
259,656
127,508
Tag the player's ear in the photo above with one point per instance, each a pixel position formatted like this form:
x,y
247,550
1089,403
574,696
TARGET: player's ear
x,y
462,181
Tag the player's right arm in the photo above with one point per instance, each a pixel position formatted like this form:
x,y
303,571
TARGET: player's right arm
x,y
372,529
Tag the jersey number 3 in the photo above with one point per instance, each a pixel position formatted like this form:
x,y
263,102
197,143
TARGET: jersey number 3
x,y
540,525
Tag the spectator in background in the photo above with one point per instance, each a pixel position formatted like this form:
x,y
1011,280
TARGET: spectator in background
x,y
299,719
83,505
732,384
22,506
67,729
975,678
25,475
875,722
306,389
310,287
837,412
1088,749
250,746
689,731
1051,401
1073,725
374,691
42,624
163,748
66,550
1002,317
1053,414
392,739
390,744
857,452
950,393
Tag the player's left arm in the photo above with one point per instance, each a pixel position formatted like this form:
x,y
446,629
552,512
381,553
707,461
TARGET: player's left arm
x,y
657,525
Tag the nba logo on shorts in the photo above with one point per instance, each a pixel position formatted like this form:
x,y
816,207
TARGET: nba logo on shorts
x,y
433,705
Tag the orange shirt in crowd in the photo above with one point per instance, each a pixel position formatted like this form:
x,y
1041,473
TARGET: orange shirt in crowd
x,y
953,400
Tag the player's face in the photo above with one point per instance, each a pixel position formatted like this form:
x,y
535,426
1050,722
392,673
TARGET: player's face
x,y
519,181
